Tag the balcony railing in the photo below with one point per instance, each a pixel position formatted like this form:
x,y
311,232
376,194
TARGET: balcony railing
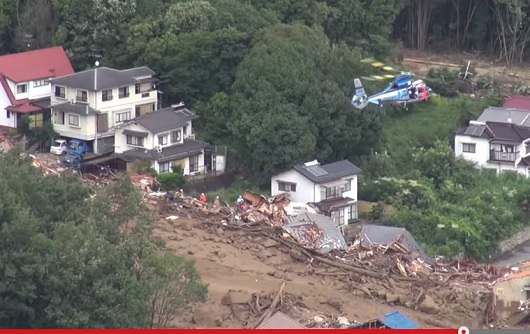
x,y
503,156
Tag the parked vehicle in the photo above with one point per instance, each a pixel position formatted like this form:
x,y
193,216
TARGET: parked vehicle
x,y
59,147
73,161
77,147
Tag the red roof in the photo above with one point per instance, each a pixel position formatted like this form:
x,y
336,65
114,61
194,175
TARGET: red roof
x,y
36,64
517,102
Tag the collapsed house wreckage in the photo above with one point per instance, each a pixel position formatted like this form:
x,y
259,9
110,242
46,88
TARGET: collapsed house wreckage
x,y
380,262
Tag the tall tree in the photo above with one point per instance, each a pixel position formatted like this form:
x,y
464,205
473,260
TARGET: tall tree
x,y
287,107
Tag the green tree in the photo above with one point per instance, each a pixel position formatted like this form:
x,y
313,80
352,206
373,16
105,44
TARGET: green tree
x,y
69,260
287,107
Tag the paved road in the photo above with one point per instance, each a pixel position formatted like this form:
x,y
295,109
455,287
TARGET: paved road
x,y
521,254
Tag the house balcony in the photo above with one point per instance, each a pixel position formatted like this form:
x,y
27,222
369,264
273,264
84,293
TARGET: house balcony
x,y
504,156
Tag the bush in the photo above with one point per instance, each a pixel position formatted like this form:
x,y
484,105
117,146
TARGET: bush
x,y
174,180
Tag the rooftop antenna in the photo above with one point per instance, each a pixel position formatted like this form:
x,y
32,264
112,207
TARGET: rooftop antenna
x,y
96,76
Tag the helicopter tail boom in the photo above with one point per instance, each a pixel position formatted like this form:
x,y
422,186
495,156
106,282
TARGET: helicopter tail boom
x,y
360,99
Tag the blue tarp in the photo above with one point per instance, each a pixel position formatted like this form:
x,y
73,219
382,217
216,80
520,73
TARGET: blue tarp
x,y
396,320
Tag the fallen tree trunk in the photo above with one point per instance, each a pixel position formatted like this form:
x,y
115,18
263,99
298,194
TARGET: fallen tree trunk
x,y
348,267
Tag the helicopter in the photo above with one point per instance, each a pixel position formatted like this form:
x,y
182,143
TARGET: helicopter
x,y
402,90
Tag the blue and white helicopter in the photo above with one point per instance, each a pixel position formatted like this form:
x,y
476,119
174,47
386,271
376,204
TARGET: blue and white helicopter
x,y
404,89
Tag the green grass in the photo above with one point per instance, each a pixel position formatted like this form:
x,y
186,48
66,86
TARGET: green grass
x,y
424,123
231,194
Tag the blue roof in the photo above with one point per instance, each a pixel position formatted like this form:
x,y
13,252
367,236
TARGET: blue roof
x,y
396,320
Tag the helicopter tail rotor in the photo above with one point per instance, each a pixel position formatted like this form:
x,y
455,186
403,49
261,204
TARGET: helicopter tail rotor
x,y
360,98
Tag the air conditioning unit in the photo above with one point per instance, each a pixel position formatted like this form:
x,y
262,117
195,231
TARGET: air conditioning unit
x,y
72,101
158,148
190,137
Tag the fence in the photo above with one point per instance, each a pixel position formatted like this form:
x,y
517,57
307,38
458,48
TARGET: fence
x,y
210,182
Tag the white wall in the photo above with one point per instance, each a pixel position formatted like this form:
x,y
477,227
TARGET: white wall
x,y
120,140
341,182
482,155
4,102
125,103
305,189
39,92
85,131
187,164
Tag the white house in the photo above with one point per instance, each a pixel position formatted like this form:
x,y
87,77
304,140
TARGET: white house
x,y
166,137
89,105
498,140
25,87
331,188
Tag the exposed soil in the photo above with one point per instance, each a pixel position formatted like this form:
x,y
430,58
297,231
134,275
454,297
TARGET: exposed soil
x,y
421,62
254,264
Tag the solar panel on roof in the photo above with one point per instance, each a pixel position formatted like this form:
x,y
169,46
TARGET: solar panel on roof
x,y
470,129
316,171
475,130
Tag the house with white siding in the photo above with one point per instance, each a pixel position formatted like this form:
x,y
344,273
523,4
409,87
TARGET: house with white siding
x,y
25,88
330,188
89,105
166,138
498,140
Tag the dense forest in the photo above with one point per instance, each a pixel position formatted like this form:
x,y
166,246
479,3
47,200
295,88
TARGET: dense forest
x,y
271,80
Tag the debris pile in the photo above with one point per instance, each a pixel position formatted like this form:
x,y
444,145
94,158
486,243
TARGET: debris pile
x,y
50,165
390,267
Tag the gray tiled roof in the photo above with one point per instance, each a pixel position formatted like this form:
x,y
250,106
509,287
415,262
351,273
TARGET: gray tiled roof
x,y
299,226
280,321
76,108
385,235
498,131
165,119
102,78
169,153
329,172
501,115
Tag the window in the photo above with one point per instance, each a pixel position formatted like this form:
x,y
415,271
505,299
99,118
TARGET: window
x,y
194,163
332,192
175,137
106,95
60,92
468,148
287,187
347,186
82,95
73,120
59,117
123,92
142,89
162,140
340,217
122,117
165,167
40,83
352,212
135,141
8,114
21,89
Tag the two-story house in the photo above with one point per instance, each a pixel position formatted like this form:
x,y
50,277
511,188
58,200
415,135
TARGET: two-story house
x,y
166,138
498,140
331,188
88,105
25,84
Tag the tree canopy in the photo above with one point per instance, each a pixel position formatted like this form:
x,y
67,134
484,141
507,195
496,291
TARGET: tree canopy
x,y
70,259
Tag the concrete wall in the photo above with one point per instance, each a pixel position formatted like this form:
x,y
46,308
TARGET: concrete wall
x,y
508,294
